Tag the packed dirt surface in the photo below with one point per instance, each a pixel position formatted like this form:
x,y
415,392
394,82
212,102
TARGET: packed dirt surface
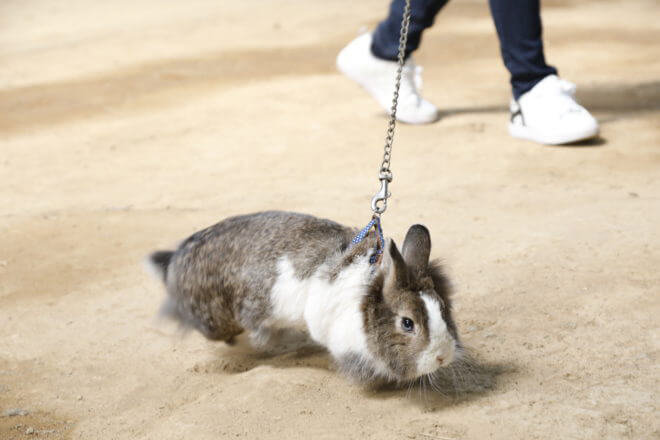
x,y
127,125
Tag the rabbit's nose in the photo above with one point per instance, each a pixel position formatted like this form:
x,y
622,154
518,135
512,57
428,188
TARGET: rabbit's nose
x,y
440,359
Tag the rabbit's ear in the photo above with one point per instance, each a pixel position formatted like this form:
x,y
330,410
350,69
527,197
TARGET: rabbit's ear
x,y
393,266
417,248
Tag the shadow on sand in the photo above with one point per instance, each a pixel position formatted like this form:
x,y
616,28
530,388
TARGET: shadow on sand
x,y
617,100
465,380
242,357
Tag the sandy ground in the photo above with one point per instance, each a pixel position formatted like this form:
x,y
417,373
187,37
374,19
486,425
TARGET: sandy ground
x,y
127,125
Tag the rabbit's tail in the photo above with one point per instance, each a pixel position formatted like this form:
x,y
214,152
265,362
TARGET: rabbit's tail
x,y
158,262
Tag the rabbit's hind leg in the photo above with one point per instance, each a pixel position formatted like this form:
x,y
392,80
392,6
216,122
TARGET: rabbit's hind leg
x,y
279,340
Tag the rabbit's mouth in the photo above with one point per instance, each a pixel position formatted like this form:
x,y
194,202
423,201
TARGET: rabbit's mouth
x,y
440,354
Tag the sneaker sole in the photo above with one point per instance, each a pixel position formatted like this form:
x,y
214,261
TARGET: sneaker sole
x,y
522,132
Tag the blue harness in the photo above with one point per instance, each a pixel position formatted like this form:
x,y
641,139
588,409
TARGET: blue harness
x,y
380,239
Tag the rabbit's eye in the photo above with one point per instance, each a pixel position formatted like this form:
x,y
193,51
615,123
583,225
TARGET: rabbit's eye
x,y
407,324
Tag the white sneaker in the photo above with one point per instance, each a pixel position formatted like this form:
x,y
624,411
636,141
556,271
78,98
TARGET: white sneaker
x,y
377,77
549,114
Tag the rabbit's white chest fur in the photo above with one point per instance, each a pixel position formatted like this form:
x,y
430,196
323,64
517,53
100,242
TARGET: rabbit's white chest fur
x,y
328,310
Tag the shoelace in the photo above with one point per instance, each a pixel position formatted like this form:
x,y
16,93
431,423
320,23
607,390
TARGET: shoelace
x,y
567,87
561,95
413,78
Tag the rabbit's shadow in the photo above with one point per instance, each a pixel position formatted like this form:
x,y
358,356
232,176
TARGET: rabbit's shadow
x,y
465,380
242,357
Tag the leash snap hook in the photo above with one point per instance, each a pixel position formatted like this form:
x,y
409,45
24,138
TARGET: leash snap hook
x,y
381,196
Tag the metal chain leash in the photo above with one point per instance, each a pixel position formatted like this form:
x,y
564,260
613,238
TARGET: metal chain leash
x,y
385,175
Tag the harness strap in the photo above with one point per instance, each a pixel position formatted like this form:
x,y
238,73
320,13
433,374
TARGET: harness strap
x,y
380,239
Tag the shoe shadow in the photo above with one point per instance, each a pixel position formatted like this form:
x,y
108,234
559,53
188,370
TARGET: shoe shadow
x,y
597,141
621,98
456,111
610,102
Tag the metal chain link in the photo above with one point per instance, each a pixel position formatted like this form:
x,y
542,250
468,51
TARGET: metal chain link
x,y
385,175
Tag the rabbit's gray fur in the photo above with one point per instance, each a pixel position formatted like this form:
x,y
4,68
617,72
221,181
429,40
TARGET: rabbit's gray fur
x,y
219,279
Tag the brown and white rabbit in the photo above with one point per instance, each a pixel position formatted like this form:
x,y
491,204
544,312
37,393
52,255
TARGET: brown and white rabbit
x,y
274,271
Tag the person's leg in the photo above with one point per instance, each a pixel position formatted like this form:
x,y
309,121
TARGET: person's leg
x,y
385,43
543,108
518,24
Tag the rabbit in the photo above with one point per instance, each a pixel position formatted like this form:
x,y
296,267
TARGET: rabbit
x,y
272,271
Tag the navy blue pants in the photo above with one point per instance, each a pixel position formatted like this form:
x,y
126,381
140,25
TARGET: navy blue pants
x,y
518,24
